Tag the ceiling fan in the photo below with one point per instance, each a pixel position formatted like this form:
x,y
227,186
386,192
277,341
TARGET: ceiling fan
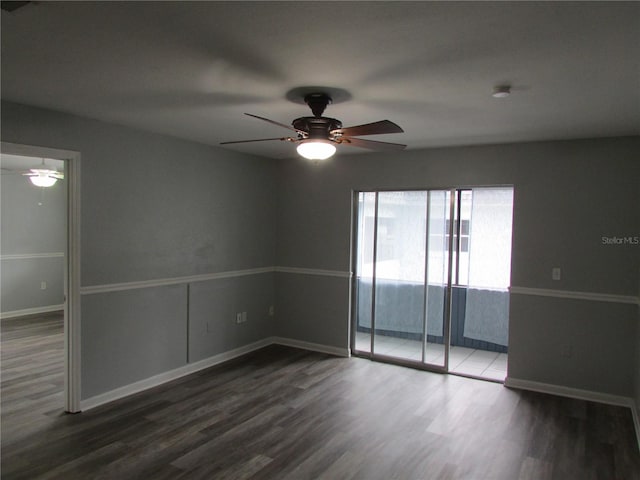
x,y
43,177
318,136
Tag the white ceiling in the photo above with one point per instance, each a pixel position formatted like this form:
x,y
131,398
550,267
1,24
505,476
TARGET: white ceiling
x,y
19,163
192,69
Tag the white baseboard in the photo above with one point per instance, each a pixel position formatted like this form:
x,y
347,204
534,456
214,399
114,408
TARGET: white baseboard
x,y
580,395
314,347
31,311
562,391
165,377
194,367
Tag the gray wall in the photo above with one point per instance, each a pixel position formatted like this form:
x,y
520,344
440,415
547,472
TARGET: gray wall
x,y
637,398
313,308
213,302
568,195
33,223
637,362
155,207
132,335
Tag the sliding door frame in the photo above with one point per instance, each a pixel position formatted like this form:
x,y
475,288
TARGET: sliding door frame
x,y
422,365
425,299
449,289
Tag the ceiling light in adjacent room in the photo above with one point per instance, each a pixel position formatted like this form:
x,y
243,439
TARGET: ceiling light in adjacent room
x,y
42,178
316,149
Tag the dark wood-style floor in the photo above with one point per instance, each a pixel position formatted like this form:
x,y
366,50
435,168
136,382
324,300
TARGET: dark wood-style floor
x,y
282,413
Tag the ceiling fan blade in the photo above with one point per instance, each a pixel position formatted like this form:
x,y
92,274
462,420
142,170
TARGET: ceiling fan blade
x,y
375,128
372,144
285,139
277,123
43,171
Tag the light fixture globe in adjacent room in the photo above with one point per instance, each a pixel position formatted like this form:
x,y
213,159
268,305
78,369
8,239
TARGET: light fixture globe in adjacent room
x,y
315,149
42,178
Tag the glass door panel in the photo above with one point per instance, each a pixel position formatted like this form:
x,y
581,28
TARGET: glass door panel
x,y
399,283
363,285
402,282
480,321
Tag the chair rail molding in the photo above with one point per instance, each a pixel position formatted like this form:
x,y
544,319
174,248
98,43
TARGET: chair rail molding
x,y
574,295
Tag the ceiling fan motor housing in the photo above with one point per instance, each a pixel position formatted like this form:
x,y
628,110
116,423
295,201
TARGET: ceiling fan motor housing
x,y
317,127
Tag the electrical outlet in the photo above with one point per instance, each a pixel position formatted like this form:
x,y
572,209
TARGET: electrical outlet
x,y
272,310
239,318
43,285
555,273
244,317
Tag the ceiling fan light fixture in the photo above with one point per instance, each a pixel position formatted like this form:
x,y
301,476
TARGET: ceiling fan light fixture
x,y
316,149
43,180
317,136
43,177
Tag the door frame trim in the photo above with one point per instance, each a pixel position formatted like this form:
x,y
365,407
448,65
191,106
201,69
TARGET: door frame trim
x,y
72,310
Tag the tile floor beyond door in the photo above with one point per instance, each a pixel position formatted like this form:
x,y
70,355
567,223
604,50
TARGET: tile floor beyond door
x,y
462,360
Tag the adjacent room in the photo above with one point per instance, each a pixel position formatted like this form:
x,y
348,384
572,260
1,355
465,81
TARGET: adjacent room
x,y
320,240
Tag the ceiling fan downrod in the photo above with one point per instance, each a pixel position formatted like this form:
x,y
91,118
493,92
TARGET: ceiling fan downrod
x,y
317,103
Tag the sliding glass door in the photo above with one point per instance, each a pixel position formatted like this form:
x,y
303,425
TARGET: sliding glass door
x,y
431,277
480,314
401,276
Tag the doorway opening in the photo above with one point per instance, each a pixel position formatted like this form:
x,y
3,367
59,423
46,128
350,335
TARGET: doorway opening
x,y
68,163
432,272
